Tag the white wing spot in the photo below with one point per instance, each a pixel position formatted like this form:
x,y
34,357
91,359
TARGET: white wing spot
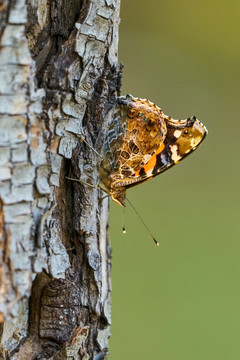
x,y
177,133
175,155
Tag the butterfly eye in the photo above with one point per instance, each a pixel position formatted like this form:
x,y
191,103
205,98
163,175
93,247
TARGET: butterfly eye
x,y
132,113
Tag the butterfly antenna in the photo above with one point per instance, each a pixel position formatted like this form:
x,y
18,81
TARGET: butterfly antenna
x,y
137,213
123,221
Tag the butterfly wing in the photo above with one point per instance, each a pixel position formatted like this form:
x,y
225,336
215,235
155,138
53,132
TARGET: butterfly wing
x,y
153,142
143,142
134,136
183,137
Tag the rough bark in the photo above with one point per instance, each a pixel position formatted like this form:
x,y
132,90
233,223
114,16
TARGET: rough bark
x,y
59,80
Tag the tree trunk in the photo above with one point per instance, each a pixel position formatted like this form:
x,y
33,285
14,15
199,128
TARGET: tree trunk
x,y
59,81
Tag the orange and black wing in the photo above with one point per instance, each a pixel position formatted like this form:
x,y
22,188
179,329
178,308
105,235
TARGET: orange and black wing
x,y
152,143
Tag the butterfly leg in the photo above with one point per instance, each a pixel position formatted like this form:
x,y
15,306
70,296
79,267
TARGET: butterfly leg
x,y
95,151
104,197
83,182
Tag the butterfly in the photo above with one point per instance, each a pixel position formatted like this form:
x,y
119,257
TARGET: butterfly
x,y
141,143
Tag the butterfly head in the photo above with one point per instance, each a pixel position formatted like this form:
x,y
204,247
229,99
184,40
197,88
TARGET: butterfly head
x,y
118,196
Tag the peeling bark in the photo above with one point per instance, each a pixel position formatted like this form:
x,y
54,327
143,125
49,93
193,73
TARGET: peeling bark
x,y
59,81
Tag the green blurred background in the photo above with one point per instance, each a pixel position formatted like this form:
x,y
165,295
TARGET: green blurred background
x,y
181,300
